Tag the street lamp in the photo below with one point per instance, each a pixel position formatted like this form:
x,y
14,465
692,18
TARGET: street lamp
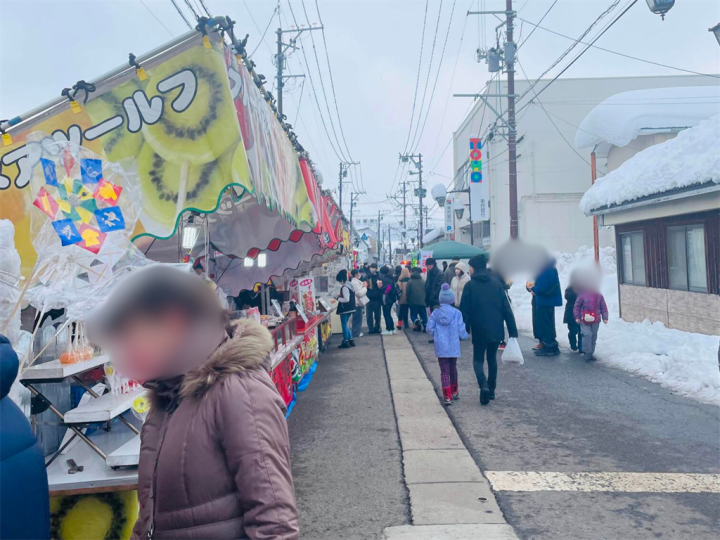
x,y
459,208
716,30
439,193
660,7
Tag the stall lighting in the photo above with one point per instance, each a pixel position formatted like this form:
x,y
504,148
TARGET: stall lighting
x,y
190,235
262,260
248,261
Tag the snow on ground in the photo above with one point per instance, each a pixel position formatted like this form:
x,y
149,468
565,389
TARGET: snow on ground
x,y
621,118
690,158
683,362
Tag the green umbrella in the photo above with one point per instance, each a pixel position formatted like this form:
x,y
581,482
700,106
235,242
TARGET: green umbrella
x,y
447,249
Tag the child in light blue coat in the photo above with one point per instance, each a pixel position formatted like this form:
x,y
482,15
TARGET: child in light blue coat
x,y
447,328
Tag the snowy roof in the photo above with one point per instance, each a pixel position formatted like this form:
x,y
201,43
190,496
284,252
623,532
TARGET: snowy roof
x,y
621,118
691,158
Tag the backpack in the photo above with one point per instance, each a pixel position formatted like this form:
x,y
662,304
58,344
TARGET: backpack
x,y
349,306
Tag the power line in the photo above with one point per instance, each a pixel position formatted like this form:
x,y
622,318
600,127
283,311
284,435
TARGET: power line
x,y
427,79
332,82
189,5
417,78
537,25
181,14
553,122
262,38
156,18
437,75
322,82
202,3
314,92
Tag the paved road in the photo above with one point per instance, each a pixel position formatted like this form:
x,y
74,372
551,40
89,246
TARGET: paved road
x,y
565,415
345,448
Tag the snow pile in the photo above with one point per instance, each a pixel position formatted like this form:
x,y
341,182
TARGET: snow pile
x,y
690,158
683,362
621,118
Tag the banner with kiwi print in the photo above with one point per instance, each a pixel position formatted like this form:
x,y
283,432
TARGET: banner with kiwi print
x,y
178,124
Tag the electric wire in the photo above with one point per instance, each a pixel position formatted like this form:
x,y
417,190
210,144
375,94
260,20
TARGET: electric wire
x,y
332,81
252,18
427,78
535,26
322,81
437,74
417,78
192,9
156,18
202,3
182,14
262,38
624,55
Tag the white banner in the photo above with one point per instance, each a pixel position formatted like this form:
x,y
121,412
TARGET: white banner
x,y
479,201
449,221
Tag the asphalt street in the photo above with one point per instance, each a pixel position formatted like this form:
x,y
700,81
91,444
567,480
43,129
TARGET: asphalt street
x,y
564,415
346,456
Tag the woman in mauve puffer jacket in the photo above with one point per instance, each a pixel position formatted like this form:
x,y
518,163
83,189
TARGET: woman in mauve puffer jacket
x,y
214,456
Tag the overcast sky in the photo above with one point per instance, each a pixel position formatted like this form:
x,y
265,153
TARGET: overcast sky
x,y
374,48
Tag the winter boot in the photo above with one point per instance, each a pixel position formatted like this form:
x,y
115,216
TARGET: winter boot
x,y
492,394
352,342
484,395
344,345
447,402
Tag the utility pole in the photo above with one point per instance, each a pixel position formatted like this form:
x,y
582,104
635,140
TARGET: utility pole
x,y
404,231
495,57
378,236
512,131
352,205
280,60
389,233
420,191
344,166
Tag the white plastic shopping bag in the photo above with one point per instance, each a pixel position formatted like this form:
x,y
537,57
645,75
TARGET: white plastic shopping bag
x,y
512,352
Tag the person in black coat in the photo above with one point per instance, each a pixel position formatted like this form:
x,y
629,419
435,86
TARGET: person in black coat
x,y
24,497
485,307
574,335
389,297
433,284
374,305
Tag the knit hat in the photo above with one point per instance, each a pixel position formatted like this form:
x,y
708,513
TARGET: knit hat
x,y
479,262
446,295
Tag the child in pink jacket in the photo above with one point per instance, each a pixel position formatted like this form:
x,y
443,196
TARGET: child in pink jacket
x,y
589,308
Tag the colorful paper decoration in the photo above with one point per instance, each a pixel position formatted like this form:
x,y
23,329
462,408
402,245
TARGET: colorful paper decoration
x,y
48,167
92,239
110,219
45,202
91,171
107,192
67,231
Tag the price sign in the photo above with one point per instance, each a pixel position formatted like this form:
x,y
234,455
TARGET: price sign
x,y
301,312
277,307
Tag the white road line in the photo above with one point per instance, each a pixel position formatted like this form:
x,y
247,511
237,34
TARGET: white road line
x,y
625,482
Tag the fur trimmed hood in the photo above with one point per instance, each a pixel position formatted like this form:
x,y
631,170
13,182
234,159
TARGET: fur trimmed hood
x,y
247,347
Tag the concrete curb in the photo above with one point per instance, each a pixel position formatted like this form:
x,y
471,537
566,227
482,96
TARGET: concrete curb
x,y
450,499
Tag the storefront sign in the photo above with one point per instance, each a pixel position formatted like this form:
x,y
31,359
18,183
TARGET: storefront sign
x,y
449,218
478,186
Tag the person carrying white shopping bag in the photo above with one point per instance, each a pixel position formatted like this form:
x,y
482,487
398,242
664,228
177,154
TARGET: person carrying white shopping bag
x,y
486,309
512,352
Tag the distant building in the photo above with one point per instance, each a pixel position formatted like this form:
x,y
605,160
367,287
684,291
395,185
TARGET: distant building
x,y
663,204
552,173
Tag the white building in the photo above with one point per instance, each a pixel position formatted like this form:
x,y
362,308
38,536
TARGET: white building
x,y
552,174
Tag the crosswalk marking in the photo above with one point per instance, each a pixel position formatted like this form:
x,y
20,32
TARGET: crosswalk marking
x,y
625,482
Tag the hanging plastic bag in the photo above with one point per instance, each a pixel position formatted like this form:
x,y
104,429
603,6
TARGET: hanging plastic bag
x,y
512,352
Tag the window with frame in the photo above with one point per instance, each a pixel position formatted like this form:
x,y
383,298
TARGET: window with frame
x,y
686,258
633,258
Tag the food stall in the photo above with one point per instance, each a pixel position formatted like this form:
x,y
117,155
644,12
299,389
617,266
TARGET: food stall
x,y
209,159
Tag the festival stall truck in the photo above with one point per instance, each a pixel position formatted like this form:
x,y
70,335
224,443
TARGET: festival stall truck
x,y
162,160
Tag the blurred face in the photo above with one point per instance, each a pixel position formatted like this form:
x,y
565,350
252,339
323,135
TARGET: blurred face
x,y
458,272
429,266
144,347
471,270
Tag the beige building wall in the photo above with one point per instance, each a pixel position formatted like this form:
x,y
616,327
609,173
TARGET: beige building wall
x,y
688,311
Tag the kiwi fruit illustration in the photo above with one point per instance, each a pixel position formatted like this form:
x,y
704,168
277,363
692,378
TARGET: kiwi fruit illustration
x,y
160,181
208,126
119,143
